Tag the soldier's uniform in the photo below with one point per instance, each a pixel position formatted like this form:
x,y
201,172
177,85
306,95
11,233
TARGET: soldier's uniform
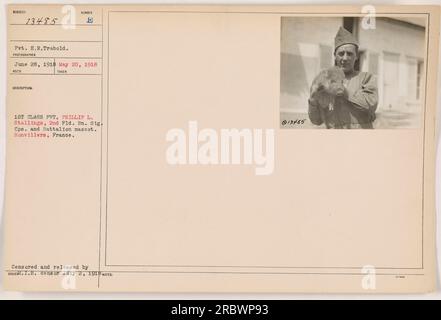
x,y
357,108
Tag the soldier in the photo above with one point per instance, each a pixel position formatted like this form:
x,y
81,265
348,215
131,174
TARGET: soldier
x,y
355,107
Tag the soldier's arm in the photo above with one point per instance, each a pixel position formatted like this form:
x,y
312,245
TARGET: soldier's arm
x,y
366,97
314,112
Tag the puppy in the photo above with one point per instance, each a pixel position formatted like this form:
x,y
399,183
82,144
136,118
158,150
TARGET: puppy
x,y
326,86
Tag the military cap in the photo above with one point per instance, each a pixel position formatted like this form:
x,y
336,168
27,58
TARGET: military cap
x,y
342,37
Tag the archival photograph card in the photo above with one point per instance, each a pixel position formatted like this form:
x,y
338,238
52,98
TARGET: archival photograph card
x,y
197,148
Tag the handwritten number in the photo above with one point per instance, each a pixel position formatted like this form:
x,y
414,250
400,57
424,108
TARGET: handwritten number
x,y
41,20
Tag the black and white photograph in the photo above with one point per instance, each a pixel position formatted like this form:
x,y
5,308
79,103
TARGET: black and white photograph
x,y
352,72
